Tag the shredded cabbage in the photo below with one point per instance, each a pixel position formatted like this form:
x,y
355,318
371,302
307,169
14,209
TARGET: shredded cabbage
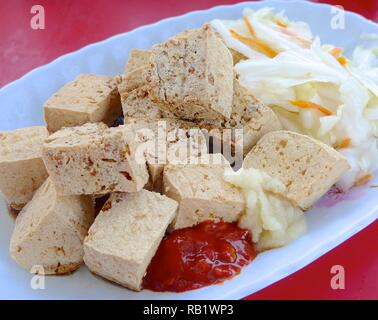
x,y
305,70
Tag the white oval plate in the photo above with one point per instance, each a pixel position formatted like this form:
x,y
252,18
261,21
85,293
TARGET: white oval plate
x,y
21,105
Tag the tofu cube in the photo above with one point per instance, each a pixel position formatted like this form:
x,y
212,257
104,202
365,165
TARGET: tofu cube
x,y
135,97
251,116
307,167
192,75
202,193
168,141
22,170
126,234
94,159
136,59
50,231
89,98
250,120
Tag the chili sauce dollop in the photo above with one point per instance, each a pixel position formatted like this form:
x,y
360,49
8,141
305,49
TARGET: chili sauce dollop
x,y
195,257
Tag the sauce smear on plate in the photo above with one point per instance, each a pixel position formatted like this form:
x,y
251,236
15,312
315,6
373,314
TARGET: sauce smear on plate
x,y
195,257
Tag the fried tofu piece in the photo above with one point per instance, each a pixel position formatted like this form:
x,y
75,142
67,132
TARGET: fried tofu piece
x,y
89,98
250,115
250,120
168,141
94,159
135,97
192,75
202,193
50,231
307,167
136,59
22,170
126,234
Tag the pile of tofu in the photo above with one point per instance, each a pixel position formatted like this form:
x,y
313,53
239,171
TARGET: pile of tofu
x,y
185,87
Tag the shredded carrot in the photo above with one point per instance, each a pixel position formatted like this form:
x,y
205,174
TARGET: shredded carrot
x,y
255,44
249,26
310,105
281,24
336,52
363,180
303,42
345,143
342,60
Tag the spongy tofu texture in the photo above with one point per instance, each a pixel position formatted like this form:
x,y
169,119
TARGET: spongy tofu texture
x,y
252,116
89,98
249,115
50,231
126,234
166,141
136,59
94,159
22,170
193,75
22,144
135,97
307,167
202,193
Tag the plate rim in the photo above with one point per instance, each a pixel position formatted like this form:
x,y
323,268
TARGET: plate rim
x,y
316,251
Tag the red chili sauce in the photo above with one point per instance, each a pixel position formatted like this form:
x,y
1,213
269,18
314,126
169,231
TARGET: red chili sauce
x,y
195,257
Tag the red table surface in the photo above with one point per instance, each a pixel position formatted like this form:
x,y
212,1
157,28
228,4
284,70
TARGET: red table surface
x,y
71,24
